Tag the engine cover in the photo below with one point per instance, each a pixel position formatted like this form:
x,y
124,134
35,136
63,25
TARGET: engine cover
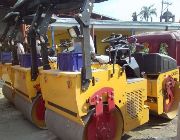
x,y
158,63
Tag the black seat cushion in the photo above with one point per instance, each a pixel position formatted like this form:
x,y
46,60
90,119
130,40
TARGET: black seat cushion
x,y
155,63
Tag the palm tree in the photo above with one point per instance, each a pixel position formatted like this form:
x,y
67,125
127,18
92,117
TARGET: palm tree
x,y
147,12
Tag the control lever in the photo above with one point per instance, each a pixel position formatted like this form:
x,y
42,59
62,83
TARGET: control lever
x,y
114,60
124,67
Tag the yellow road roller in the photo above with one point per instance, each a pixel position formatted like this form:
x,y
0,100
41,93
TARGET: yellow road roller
x,y
6,56
28,98
84,102
9,56
18,86
116,100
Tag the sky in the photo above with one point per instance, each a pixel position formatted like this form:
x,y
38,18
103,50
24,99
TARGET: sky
x,y
123,9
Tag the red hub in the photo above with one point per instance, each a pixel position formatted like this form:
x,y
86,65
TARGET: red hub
x,y
102,127
169,93
40,109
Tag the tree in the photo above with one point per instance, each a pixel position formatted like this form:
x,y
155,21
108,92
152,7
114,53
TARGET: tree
x,y
147,12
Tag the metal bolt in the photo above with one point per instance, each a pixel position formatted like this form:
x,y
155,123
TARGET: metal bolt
x,y
80,15
100,99
97,97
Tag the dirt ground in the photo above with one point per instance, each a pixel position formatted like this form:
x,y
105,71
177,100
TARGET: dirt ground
x,y
14,126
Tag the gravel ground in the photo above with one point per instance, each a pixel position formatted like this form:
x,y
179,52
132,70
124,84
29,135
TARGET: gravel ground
x,y
13,126
155,129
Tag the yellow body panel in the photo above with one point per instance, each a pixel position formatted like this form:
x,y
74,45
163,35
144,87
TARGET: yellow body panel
x,y
62,93
137,113
155,90
7,73
179,74
1,71
67,94
23,84
177,88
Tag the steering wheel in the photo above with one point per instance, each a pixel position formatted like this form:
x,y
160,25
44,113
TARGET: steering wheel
x,y
65,44
119,46
112,38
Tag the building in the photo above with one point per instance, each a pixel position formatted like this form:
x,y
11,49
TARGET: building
x,y
103,28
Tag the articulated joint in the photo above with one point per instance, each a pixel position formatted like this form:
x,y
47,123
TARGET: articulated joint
x,y
97,100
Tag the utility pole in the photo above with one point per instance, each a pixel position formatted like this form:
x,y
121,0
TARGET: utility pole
x,y
165,5
162,7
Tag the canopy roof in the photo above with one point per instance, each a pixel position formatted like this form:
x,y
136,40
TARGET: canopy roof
x,y
62,6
